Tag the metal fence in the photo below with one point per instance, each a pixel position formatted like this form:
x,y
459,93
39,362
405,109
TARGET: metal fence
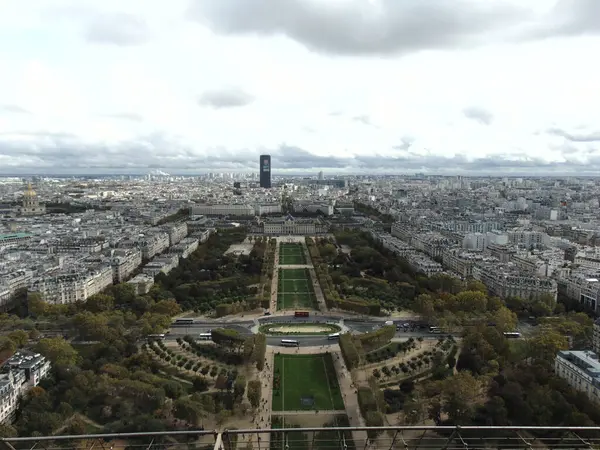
x,y
335,438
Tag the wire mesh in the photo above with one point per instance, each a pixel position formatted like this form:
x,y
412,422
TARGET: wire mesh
x,y
331,438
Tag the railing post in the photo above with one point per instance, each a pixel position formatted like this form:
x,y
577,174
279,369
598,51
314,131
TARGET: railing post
x,y
218,441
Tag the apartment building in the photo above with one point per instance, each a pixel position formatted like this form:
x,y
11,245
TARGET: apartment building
x,y
18,374
176,232
267,208
153,244
596,337
506,284
585,290
14,238
186,247
16,280
161,264
527,238
581,369
124,262
66,288
588,261
462,262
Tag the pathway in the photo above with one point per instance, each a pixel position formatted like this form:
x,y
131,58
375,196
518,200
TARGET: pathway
x,y
350,398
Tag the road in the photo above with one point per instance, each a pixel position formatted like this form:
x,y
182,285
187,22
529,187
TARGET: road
x,y
304,340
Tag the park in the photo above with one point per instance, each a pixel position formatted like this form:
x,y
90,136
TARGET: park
x,y
291,254
295,290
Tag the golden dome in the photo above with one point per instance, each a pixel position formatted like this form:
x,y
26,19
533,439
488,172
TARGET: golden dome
x,y
29,192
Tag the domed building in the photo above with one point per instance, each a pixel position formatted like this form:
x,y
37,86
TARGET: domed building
x,y
31,205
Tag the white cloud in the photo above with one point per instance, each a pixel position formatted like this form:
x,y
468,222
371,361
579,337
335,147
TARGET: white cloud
x,y
512,88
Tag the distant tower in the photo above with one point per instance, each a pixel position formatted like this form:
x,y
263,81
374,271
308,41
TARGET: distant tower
x,y
321,175
31,206
265,171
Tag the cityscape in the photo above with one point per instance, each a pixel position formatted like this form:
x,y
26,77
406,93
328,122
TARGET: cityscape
x,y
299,225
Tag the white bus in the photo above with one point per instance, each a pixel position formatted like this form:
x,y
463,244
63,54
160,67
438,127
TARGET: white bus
x,y
205,336
333,336
512,335
156,337
289,343
435,330
183,322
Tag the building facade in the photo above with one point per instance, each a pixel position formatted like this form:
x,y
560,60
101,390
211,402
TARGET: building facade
x,y
265,171
18,374
581,370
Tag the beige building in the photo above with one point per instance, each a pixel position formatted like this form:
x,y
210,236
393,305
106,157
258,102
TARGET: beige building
x,y
31,205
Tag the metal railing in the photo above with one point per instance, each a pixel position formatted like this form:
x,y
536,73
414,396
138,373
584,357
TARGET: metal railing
x,y
334,438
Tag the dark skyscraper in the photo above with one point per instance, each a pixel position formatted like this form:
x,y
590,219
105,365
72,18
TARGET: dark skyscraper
x,y
265,171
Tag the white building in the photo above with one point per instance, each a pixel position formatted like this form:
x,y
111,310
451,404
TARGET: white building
x,y
581,370
19,373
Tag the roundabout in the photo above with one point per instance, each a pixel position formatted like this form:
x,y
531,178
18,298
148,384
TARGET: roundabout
x,y
296,329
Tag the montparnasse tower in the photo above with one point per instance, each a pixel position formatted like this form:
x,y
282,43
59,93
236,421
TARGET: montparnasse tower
x,y
31,205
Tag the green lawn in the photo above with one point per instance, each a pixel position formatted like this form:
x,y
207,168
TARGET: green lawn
x,y
291,254
305,376
294,289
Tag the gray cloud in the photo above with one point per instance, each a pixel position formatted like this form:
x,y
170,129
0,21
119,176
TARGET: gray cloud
x,y
63,153
568,18
225,98
575,137
393,26
407,142
479,115
117,29
13,109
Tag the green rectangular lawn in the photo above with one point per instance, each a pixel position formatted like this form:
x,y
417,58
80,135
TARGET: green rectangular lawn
x,y
294,289
311,378
290,254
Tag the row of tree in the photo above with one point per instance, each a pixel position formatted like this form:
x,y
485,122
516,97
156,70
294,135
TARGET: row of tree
x,y
354,348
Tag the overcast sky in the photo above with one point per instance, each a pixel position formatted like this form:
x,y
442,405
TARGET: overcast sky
x,y
440,86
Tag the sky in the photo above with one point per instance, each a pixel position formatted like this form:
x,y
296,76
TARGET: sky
x,y
344,86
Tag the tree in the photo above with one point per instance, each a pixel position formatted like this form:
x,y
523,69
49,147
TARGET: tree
x,y
7,431
200,384
99,303
545,344
477,286
58,351
239,386
188,410
36,305
459,394
19,337
254,393
166,307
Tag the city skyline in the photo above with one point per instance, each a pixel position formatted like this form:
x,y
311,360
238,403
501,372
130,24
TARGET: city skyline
x,y
497,90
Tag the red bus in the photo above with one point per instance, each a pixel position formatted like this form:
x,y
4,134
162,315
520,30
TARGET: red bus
x,y
301,314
